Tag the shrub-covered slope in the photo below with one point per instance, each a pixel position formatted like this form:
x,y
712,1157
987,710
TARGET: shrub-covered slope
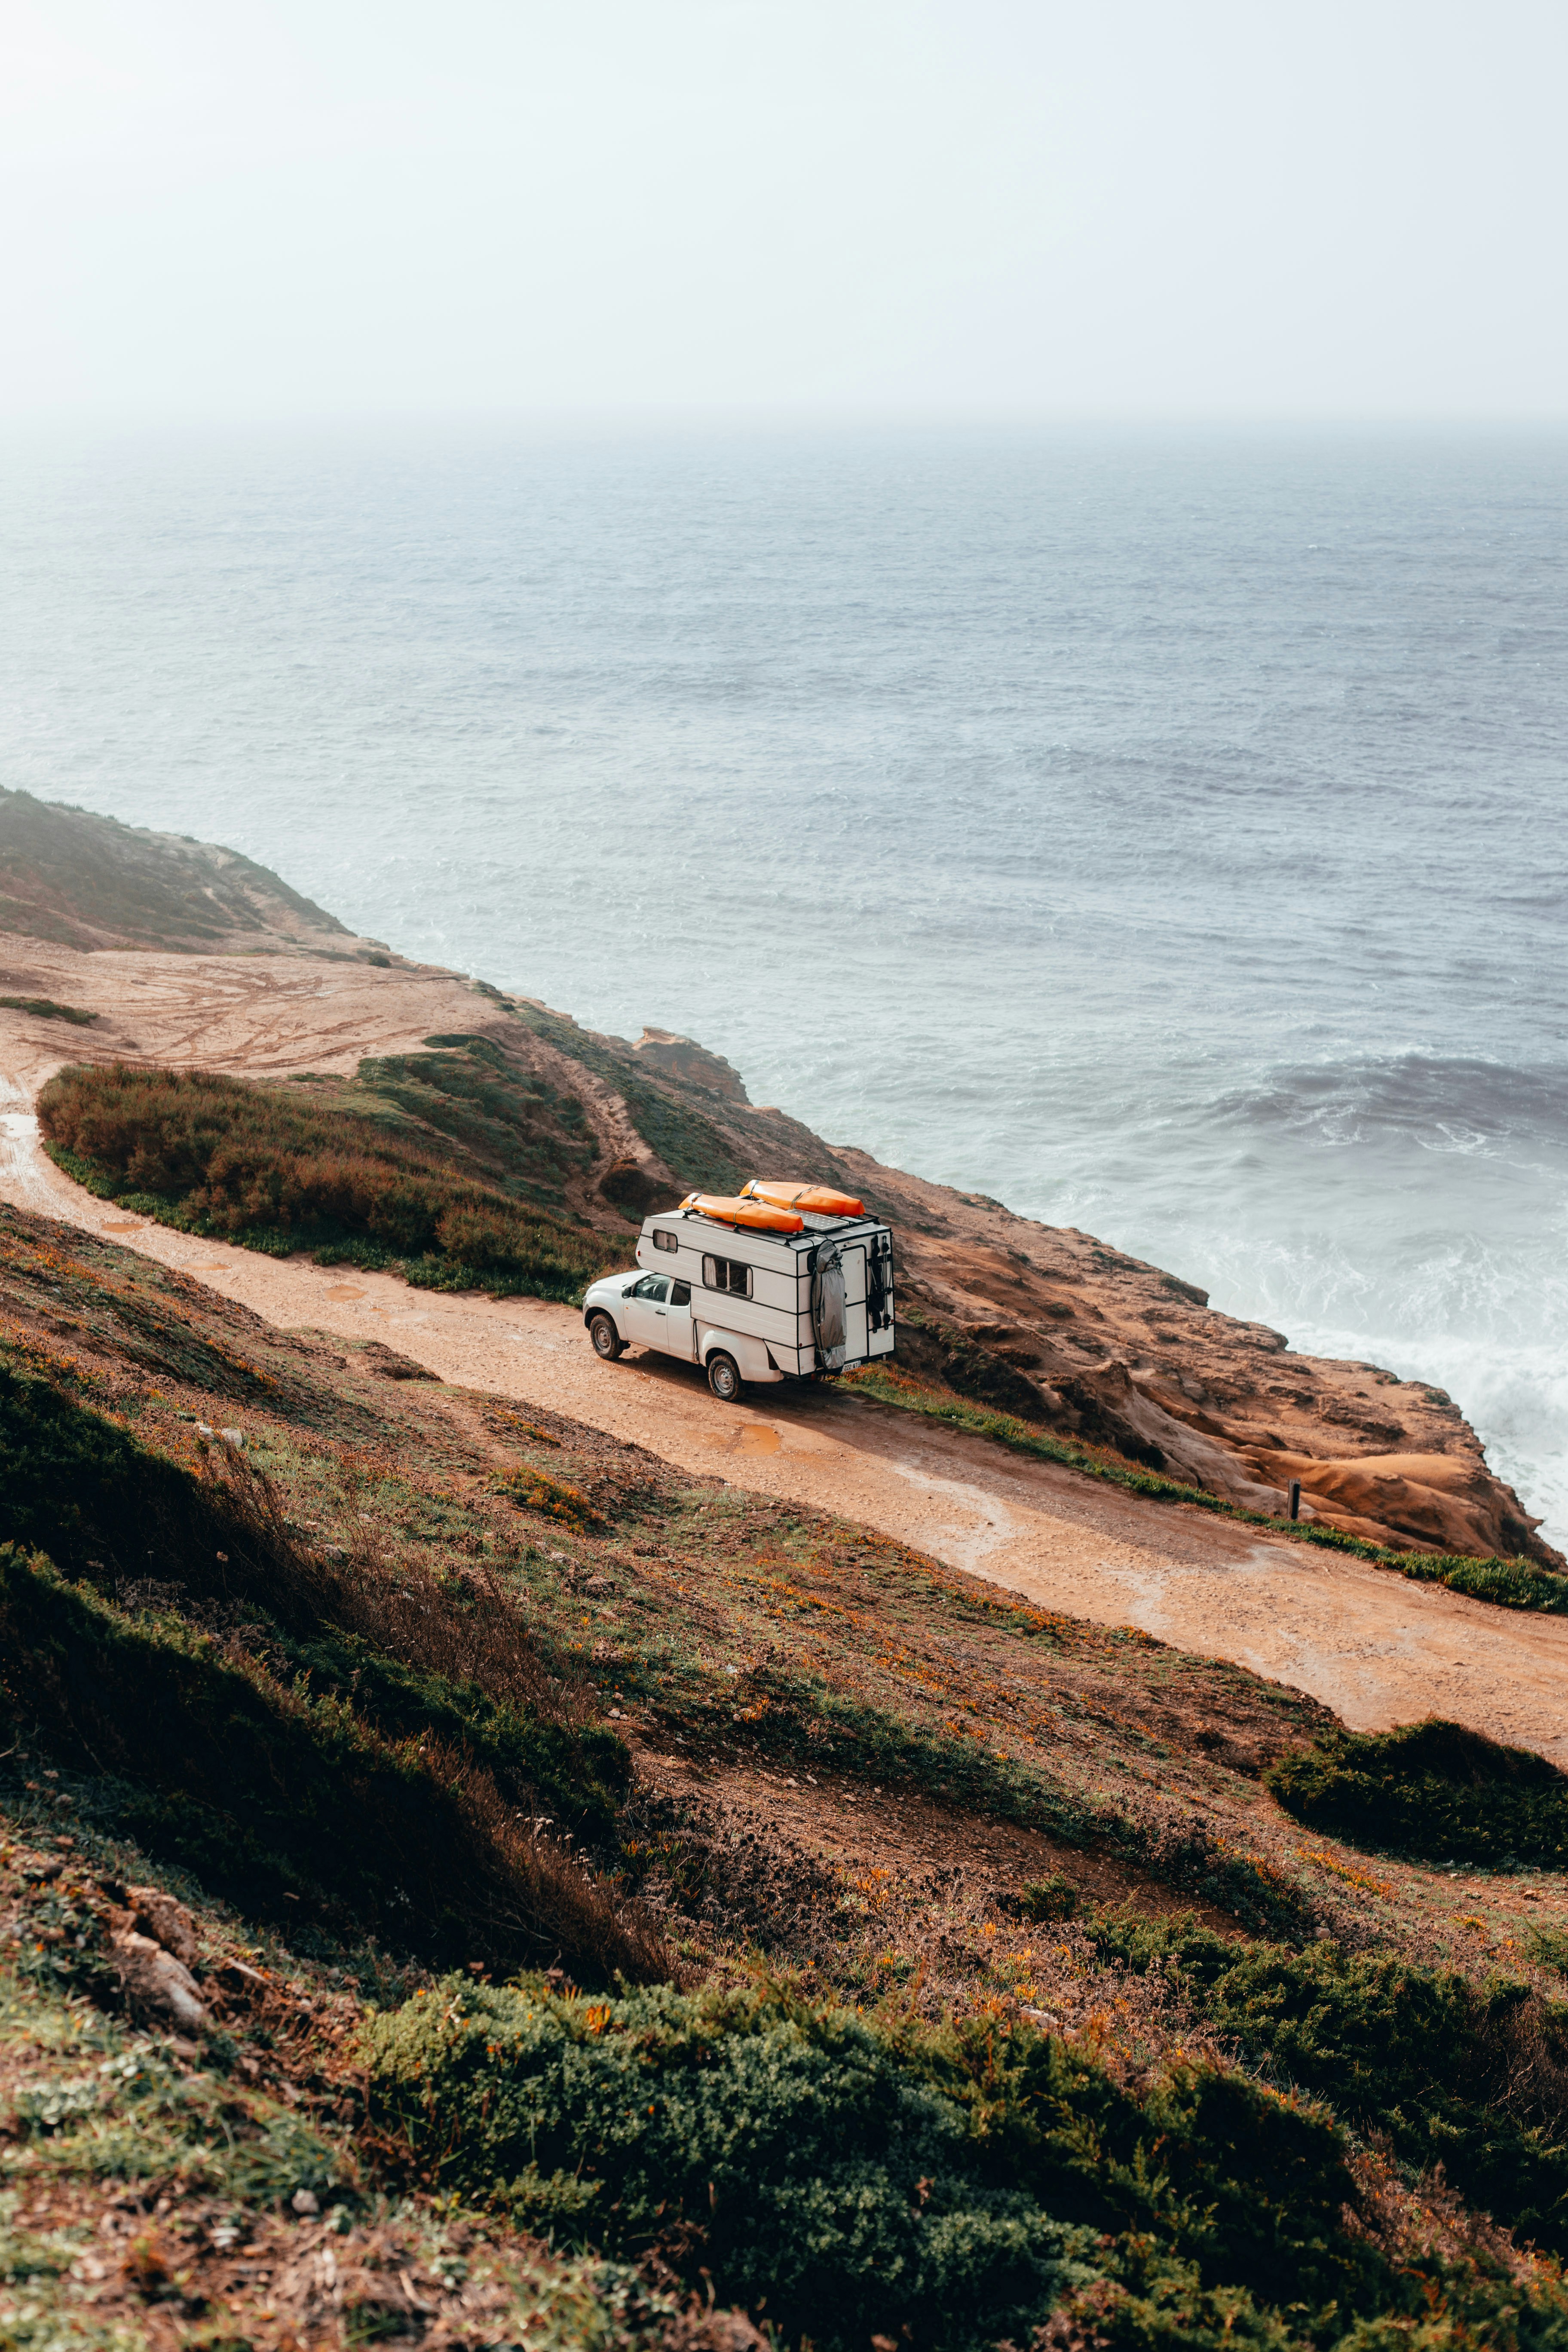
x,y
215,2187
949,2186
432,1163
1432,1789
411,1682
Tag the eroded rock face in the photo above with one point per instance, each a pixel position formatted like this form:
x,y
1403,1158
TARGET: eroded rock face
x,y
1048,1324
635,1190
155,1914
153,1942
682,1057
1451,1503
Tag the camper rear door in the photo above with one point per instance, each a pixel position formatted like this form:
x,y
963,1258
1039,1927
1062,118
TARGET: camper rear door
x,y
854,1328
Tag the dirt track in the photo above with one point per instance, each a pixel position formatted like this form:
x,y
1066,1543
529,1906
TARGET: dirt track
x,y
1377,1648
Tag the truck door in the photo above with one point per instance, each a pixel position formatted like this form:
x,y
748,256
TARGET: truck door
x,y
644,1311
827,1308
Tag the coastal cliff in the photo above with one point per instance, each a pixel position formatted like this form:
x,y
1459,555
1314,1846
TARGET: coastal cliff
x,y
1044,1323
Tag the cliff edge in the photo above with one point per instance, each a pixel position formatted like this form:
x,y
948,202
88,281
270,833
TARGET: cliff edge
x,y
1043,1322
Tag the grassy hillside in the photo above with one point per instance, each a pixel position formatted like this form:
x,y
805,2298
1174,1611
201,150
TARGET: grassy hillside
x,y
89,881
447,1165
985,1988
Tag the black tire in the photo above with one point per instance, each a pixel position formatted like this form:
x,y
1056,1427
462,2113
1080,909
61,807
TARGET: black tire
x,y
724,1377
607,1342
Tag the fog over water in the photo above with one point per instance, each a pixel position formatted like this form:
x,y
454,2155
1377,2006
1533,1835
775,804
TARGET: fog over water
x,y
1162,833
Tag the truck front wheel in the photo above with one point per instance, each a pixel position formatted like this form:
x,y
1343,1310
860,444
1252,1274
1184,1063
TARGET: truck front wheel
x,y
724,1377
607,1340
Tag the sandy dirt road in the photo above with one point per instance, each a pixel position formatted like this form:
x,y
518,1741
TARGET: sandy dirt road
x,y
1371,1645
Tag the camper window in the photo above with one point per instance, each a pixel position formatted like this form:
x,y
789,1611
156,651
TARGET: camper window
x,y
666,1241
727,1274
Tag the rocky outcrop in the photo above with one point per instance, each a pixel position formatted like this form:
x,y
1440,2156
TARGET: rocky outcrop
x,y
636,1188
1047,1323
682,1057
152,1945
156,1986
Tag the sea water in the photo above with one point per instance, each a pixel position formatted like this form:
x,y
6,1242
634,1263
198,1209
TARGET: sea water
x,y
1162,832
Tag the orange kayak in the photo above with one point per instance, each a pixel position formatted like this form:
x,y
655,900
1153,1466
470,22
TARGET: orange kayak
x,y
818,1199
757,1216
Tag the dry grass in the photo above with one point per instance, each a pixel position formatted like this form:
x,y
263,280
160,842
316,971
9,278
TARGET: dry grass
x,y
270,1167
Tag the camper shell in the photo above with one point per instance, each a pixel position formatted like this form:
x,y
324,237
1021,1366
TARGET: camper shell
x,y
778,1305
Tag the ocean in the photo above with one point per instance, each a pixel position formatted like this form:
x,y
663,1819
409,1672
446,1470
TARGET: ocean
x,y
1161,832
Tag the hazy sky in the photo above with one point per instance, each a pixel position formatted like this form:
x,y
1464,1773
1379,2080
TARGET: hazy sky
x,y
1164,208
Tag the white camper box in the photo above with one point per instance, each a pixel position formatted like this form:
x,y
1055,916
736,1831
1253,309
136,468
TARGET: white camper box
x,y
751,1304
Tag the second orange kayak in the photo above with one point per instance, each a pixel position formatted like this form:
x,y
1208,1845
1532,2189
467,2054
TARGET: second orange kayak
x,y
756,1216
817,1200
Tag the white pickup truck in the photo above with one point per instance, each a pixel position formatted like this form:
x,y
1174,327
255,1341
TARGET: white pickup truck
x,y
809,1293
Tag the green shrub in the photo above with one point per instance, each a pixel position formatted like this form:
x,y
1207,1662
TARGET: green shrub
x,y
1437,1789
1548,1948
1042,1899
941,2185
44,1008
276,1168
954,2183
1473,2079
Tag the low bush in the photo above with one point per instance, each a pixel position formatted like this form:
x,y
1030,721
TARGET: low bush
x,y
274,1168
1473,2079
530,1490
44,1008
275,1797
1434,1790
1042,1899
944,2187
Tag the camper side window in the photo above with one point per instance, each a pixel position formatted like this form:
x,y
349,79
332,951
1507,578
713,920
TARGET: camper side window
x,y
727,1274
666,1241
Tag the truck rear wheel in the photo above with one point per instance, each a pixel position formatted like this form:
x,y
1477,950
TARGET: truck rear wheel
x,y
724,1377
607,1340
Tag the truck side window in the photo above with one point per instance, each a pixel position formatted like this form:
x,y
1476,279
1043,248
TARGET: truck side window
x,y
652,1285
680,1293
666,1241
727,1274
